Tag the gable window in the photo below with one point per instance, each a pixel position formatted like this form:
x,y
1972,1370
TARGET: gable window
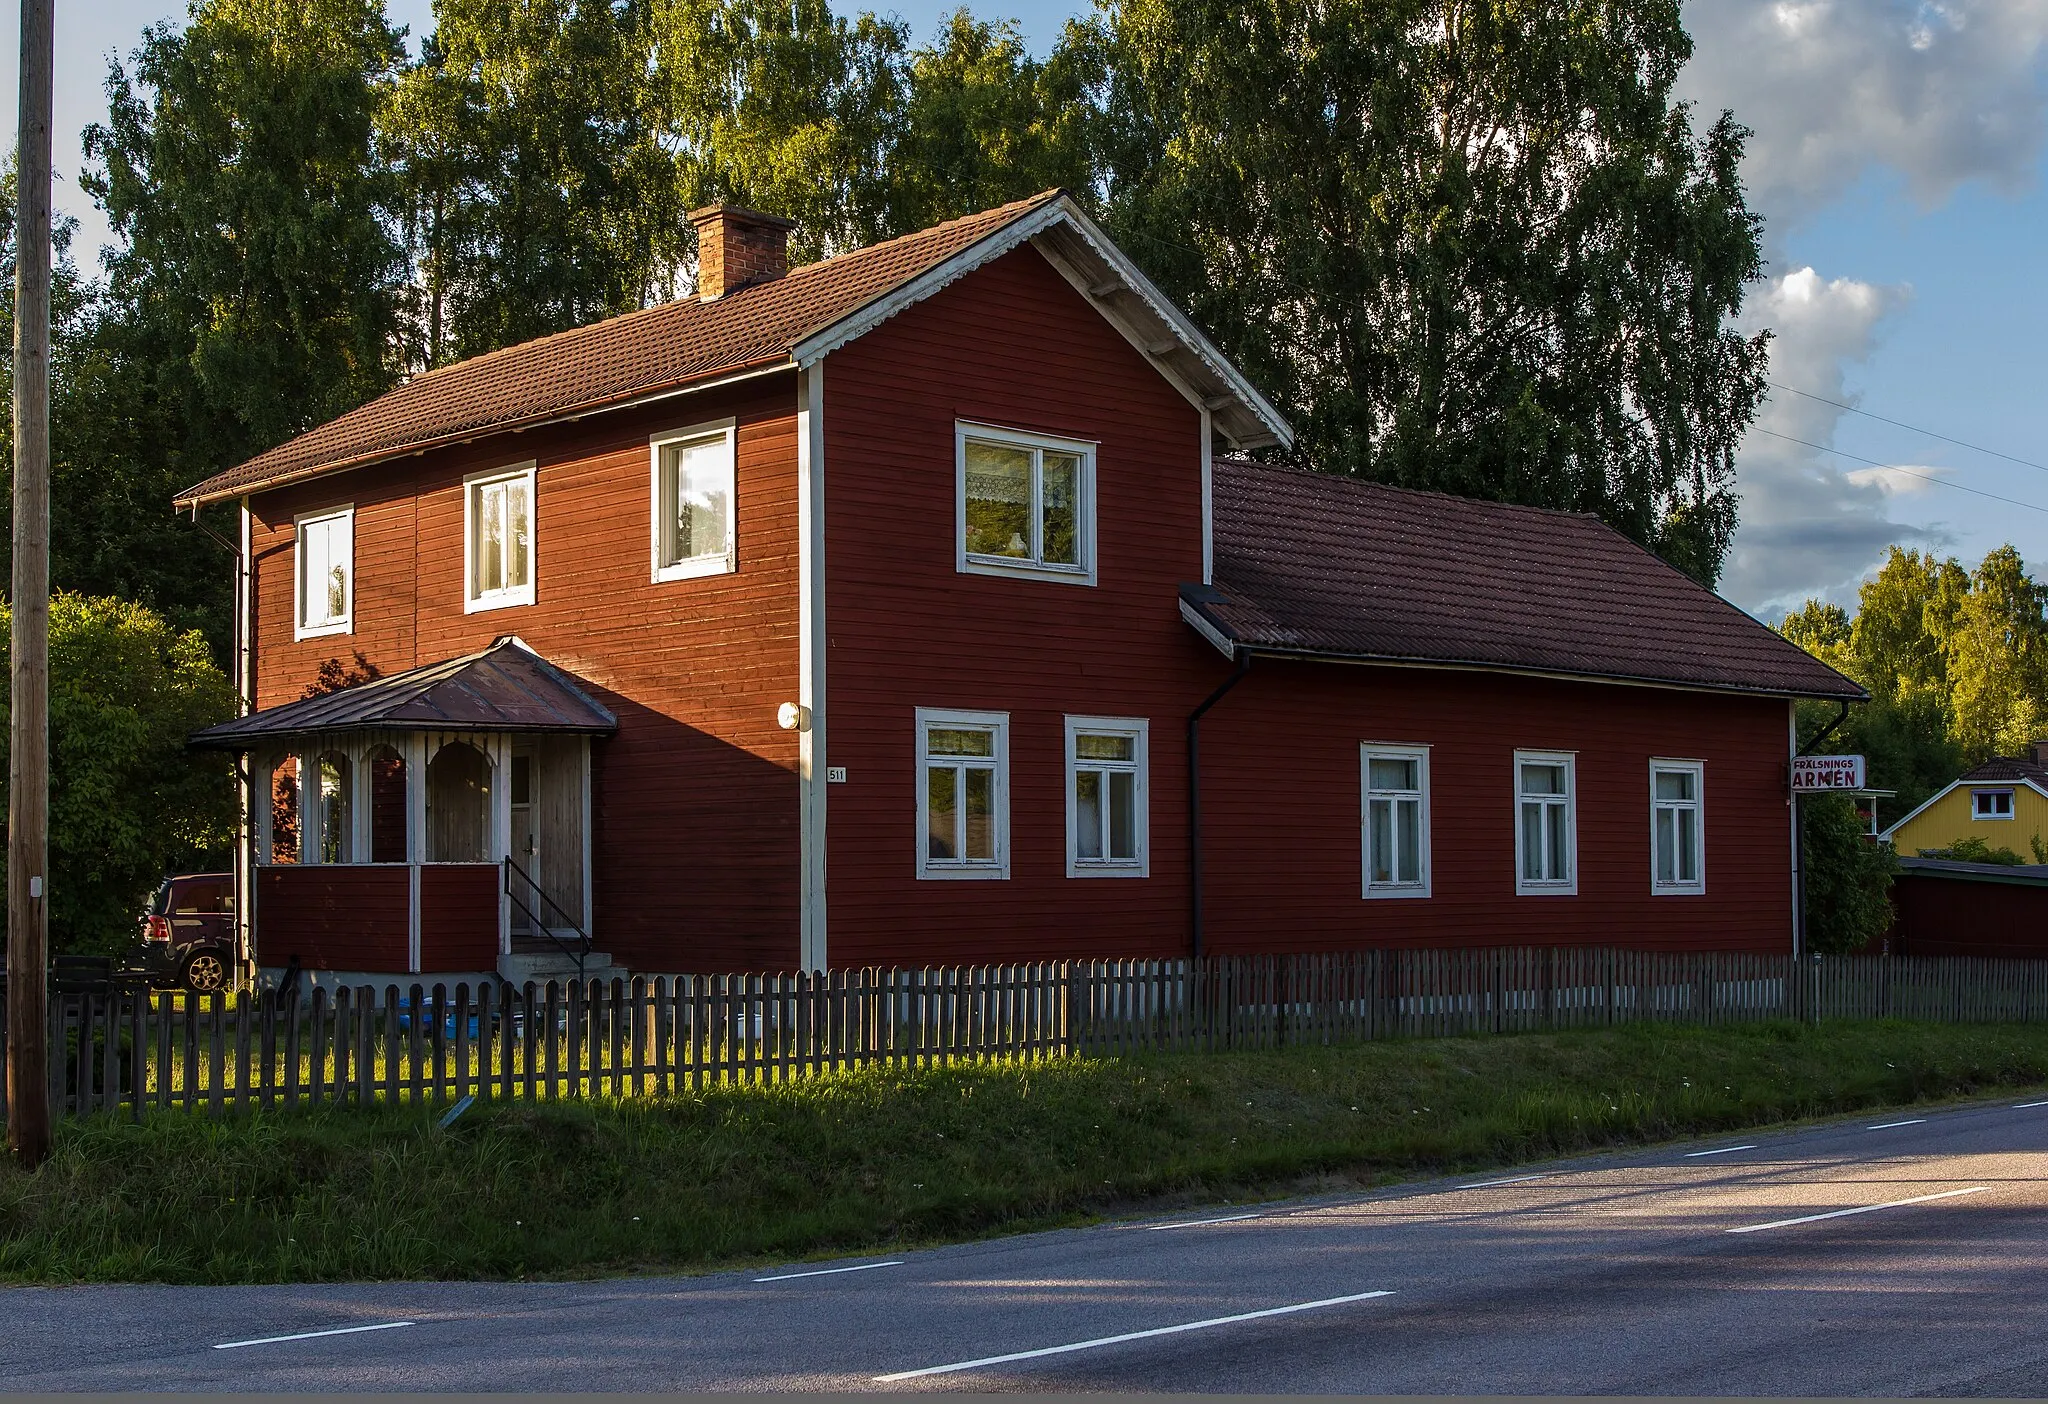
x,y
693,502
1991,804
963,798
1677,827
1545,824
1107,802
1396,820
327,573
1027,504
498,538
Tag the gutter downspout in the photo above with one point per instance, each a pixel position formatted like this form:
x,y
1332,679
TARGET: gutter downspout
x,y
1244,665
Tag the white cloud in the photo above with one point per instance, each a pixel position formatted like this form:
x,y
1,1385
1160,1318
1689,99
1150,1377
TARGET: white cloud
x,y
1941,91
1899,480
1813,524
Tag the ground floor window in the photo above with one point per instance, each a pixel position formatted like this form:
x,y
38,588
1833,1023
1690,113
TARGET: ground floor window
x,y
1545,823
1107,800
963,797
1396,820
1677,829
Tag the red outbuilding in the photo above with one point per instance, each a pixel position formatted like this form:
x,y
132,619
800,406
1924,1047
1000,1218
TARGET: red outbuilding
x,y
916,607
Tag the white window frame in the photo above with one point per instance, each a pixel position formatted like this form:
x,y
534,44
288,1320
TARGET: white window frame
x,y
472,601
955,869
1084,504
1369,752
347,622
1569,885
1140,765
1698,805
724,562
1978,816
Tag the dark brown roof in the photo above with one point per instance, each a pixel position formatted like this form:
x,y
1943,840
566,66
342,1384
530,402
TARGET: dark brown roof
x,y
607,363
506,687
2007,768
1311,564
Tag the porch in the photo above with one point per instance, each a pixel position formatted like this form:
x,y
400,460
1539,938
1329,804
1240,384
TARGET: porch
x,y
433,822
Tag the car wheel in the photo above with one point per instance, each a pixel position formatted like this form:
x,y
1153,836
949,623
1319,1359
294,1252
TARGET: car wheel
x,y
204,971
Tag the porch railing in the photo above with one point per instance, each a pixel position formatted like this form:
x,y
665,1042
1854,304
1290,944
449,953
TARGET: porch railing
x,y
578,947
116,1048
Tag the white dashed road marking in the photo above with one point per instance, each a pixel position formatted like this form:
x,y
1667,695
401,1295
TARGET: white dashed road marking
x,y
309,1335
1865,1209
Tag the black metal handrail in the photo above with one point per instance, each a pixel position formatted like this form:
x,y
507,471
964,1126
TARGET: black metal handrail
x,y
583,944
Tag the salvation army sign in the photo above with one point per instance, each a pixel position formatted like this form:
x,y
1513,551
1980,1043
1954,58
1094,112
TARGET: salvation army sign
x,y
1821,774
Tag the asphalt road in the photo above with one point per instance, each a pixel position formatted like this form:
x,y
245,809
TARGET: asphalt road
x,y
1894,1255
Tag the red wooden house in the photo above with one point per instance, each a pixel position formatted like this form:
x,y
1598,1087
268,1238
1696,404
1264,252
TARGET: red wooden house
x,y
872,611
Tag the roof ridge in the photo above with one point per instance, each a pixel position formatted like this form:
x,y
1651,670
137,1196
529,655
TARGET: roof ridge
x,y
1376,484
803,270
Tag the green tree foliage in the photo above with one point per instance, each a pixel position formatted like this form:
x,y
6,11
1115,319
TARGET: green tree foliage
x,y
1977,850
129,802
533,194
1956,662
1472,245
1848,878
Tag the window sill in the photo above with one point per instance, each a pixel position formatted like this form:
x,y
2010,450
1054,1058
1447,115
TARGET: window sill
x,y
1391,893
696,568
1026,570
1547,889
477,605
1678,889
991,872
1108,870
322,631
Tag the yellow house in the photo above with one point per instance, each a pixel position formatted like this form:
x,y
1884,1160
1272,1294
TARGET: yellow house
x,y
2003,802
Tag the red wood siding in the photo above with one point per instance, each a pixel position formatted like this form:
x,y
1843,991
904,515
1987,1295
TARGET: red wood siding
x,y
334,917
694,804
1947,916
1011,344
1281,805
459,916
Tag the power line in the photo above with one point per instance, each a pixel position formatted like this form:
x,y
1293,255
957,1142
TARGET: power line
x,y
1913,428
1894,468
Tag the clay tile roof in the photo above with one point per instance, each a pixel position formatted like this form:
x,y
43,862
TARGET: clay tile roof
x,y
606,363
506,687
1317,565
2007,768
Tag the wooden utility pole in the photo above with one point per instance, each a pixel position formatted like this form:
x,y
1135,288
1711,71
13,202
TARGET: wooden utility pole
x,y
28,792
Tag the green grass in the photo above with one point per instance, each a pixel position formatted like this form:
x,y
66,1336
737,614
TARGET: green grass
x,y
886,1159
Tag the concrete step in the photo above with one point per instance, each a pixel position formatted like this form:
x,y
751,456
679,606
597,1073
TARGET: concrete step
x,y
552,964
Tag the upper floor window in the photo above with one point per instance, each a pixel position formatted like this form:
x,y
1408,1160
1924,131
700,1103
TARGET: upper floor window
x,y
1677,827
327,572
1106,798
498,538
1991,804
963,796
1027,504
1396,820
693,502
1546,822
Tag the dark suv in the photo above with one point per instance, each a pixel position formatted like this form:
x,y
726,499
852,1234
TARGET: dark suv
x,y
188,933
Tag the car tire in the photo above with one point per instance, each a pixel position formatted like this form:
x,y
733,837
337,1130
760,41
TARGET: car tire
x,y
203,971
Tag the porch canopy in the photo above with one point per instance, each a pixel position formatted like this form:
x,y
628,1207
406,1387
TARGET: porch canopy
x,y
421,822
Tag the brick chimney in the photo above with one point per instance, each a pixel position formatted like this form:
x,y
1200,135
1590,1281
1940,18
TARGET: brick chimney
x,y
737,248
2040,751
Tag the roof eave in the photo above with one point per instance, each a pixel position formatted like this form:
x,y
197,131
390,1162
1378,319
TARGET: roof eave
x,y
194,497
1219,634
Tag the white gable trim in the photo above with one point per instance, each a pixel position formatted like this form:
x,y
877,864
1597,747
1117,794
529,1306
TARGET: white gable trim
x,y
1965,783
1063,216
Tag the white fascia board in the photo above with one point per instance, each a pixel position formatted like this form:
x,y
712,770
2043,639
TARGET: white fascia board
x,y
1062,211
1201,625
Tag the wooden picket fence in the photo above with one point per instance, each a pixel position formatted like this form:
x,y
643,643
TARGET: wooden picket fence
x,y
128,1048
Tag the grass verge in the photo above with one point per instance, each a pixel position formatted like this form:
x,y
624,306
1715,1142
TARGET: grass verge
x,y
878,1158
